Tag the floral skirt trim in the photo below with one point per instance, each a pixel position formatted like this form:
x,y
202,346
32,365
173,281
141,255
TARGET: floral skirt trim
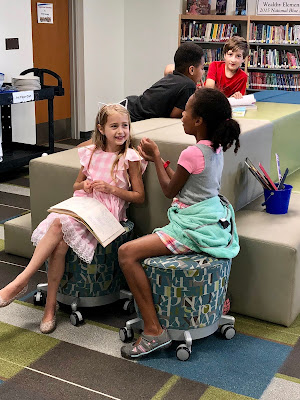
x,y
172,244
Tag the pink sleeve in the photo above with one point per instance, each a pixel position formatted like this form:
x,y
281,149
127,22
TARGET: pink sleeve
x,y
85,156
133,155
192,160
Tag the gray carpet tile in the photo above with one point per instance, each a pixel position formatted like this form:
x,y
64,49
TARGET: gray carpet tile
x,y
10,258
72,142
7,213
115,376
291,364
8,272
29,385
15,174
186,390
15,200
18,181
110,314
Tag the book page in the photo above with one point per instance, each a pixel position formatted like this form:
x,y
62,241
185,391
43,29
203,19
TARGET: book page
x,y
94,215
244,101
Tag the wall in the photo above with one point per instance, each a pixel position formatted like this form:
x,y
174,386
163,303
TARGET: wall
x,y
103,55
151,39
15,22
125,45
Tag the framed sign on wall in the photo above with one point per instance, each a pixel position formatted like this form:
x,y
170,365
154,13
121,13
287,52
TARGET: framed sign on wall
x,y
278,7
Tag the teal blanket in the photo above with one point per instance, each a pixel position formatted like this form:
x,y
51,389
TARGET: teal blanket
x,y
199,227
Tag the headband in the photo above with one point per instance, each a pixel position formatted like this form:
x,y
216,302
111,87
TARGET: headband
x,y
122,103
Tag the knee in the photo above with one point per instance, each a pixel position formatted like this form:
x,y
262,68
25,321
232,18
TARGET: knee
x,y
55,227
125,254
61,249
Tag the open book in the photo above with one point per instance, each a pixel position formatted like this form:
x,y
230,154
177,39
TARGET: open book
x,y
247,101
94,215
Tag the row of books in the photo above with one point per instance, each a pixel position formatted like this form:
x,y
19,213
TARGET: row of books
x,y
274,58
208,31
267,81
211,55
277,34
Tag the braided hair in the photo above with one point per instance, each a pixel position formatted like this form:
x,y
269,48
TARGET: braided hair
x,y
213,106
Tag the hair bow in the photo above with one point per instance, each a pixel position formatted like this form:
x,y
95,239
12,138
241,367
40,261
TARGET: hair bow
x,y
122,103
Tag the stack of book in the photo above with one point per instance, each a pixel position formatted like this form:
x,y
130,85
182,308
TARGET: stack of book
x,y
24,82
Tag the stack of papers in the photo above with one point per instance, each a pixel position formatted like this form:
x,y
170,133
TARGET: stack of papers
x,y
239,106
24,82
248,101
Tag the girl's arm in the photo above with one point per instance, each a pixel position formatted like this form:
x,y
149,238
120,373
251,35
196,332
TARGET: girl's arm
x,y
135,195
82,183
171,182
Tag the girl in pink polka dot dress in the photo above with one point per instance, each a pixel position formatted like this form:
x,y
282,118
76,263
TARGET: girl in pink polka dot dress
x,y
111,172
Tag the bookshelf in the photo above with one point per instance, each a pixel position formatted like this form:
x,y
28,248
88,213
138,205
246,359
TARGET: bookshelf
x,y
274,60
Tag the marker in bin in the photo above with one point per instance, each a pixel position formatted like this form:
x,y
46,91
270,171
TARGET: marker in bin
x,y
280,185
278,167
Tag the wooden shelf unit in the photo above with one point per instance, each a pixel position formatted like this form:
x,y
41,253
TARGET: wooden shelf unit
x,y
244,22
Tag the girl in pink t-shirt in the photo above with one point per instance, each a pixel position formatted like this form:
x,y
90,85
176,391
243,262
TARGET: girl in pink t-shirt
x,y
195,183
111,173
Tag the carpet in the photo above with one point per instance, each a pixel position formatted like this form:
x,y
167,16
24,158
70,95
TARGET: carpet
x,y
260,362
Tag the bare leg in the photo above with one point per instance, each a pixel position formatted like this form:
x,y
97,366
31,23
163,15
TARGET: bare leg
x,y
130,255
55,272
43,250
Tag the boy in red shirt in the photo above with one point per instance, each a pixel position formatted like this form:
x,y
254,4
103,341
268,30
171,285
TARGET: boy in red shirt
x,y
226,75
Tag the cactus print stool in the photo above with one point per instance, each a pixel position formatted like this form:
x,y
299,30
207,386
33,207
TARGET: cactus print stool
x,y
189,291
95,284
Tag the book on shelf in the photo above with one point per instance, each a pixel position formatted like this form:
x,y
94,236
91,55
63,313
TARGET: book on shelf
x,y
279,81
241,7
198,7
275,34
94,215
221,7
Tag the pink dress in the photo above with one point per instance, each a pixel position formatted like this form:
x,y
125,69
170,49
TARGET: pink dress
x,y
75,234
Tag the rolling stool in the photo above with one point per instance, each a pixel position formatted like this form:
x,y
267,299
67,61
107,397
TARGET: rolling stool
x,y
95,284
189,291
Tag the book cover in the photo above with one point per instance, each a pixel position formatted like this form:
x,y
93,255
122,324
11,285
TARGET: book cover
x,y
241,7
221,7
200,7
94,215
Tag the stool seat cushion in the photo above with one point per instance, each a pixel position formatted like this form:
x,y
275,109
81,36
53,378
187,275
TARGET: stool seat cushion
x,y
189,290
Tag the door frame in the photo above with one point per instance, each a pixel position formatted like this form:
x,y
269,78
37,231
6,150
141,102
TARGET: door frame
x,y
76,66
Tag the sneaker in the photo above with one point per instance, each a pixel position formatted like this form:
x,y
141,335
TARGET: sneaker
x,y
226,306
147,345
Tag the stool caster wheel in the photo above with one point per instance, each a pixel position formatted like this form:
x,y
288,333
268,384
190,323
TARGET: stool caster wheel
x,y
76,318
128,306
126,335
183,353
39,299
228,331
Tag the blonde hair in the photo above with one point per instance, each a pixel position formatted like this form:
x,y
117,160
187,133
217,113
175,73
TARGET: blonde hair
x,y
99,139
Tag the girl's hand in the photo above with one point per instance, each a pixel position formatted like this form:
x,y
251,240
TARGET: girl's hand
x,y
148,149
102,186
87,186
